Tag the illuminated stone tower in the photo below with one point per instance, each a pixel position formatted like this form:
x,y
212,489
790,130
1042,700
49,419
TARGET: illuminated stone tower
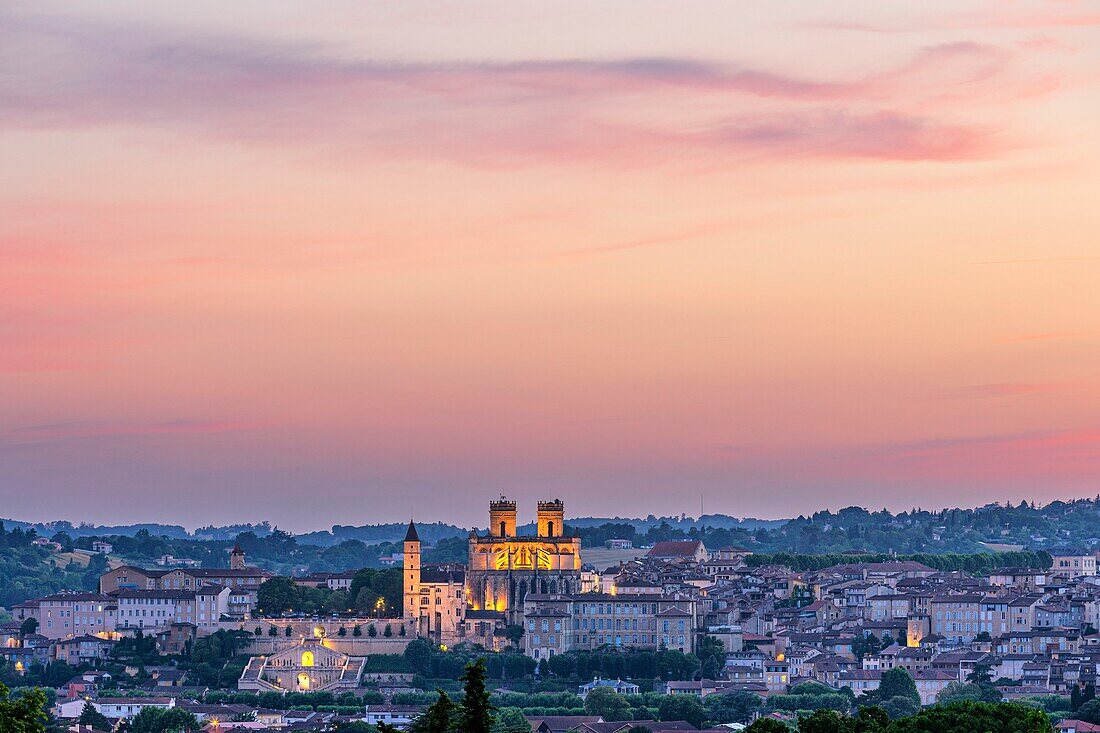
x,y
502,518
551,519
412,573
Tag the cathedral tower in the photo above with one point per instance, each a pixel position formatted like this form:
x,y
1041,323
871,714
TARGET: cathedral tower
x,y
502,518
551,518
412,573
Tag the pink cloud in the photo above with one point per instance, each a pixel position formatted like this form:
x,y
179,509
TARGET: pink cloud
x,y
493,114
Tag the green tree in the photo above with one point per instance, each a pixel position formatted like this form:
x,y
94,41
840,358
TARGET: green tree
x,y
437,717
682,707
419,656
277,595
23,713
733,707
164,720
970,717
514,633
824,721
28,627
605,702
899,706
897,693
90,716
1089,712
511,721
476,711
711,654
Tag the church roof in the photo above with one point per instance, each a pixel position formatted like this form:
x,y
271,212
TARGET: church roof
x,y
411,535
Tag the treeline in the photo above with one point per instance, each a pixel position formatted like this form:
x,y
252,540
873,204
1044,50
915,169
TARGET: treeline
x,y
428,661
982,562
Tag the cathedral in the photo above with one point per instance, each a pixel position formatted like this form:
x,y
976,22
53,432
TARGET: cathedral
x,y
502,569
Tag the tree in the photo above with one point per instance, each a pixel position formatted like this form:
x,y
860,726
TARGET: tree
x,y
90,716
981,674
371,631
767,725
824,721
341,631
273,631
897,693
1089,712
476,712
605,702
164,720
277,595
28,627
23,713
259,631
639,729
419,655
511,721
958,692
733,707
287,631
437,718
514,632
899,706
968,717
682,707
712,655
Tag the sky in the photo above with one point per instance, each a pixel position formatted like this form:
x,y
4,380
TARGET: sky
x,y
353,262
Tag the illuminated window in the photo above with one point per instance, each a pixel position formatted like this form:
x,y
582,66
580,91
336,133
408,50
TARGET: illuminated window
x,y
307,659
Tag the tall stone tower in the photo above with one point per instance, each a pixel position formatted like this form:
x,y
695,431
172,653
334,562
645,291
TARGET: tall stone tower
x,y
551,519
502,518
411,592
236,558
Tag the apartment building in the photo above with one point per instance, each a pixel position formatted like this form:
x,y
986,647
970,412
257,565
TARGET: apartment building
x,y
158,608
62,615
556,623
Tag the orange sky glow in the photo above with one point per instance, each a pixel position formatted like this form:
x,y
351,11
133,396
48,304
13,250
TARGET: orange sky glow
x,y
348,262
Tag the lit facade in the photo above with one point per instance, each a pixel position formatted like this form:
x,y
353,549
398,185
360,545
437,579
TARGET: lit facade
x,y
504,567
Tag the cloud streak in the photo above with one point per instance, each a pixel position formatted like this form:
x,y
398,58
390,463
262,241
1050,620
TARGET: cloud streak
x,y
491,113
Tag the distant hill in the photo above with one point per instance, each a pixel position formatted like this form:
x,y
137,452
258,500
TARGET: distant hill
x,y
1024,525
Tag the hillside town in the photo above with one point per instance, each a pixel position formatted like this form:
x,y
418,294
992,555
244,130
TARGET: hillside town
x,y
677,621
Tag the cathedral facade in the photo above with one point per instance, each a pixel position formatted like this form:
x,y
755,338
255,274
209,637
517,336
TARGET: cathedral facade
x,y
504,567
